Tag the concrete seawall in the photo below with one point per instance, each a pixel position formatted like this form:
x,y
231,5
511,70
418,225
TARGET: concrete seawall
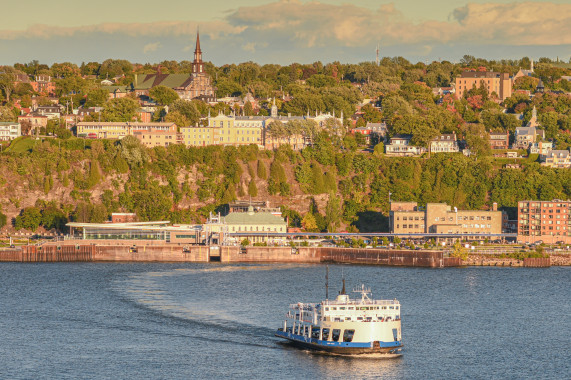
x,y
130,252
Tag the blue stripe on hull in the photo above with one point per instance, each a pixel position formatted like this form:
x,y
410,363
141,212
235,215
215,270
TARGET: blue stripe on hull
x,y
326,343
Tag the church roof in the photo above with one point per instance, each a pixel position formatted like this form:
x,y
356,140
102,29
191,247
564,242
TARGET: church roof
x,y
148,81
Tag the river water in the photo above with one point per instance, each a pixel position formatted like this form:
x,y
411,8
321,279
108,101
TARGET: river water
x,y
187,321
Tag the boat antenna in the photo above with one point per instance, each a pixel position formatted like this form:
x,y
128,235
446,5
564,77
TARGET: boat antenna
x,y
327,282
343,290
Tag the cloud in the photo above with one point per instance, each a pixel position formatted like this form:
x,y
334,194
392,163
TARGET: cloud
x,y
148,48
294,30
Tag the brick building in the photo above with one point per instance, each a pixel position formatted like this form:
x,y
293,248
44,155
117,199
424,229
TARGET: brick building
x,y
546,221
499,140
500,83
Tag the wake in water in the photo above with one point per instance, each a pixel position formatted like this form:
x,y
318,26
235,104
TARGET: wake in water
x,y
165,294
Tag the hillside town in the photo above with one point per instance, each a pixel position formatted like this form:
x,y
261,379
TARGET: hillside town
x,y
513,115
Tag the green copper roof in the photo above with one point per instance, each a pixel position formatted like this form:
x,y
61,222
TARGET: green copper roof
x,y
261,218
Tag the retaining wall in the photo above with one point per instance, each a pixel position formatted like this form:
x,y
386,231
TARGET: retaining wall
x,y
270,254
431,259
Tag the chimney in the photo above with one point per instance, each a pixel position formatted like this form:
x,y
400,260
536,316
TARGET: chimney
x,y
495,206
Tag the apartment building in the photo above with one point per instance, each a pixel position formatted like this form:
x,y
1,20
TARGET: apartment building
x,y
440,218
118,130
499,83
152,138
546,221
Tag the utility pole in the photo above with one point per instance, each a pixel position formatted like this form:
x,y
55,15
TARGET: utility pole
x,y
378,61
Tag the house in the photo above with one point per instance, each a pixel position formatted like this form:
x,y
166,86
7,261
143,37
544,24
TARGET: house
x,y
243,223
370,130
560,159
52,112
525,136
542,148
399,145
445,143
10,130
32,121
499,140
499,83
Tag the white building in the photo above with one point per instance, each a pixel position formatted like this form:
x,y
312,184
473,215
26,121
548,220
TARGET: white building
x,y
399,145
10,130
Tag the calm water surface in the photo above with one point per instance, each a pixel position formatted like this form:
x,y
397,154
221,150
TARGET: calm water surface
x,y
168,321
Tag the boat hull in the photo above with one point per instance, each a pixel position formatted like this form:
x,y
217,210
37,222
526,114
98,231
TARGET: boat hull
x,y
343,348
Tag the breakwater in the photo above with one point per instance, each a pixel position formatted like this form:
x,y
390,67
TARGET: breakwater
x,y
131,252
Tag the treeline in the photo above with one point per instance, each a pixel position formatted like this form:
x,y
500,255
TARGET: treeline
x,y
329,186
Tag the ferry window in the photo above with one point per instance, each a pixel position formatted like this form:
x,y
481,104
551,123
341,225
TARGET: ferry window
x,y
335,335
342,308
359,318
348,335
325,334
326,309
347,318
397,307
391,307
351,308
384,308
333,308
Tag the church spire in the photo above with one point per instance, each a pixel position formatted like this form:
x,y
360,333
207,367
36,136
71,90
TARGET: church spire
x,y
197,65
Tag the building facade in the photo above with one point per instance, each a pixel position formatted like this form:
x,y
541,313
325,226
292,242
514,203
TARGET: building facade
x,y
118,130
546,221
499,140
439,218
560,159
499,83
10,130
153,138
399,145
446,143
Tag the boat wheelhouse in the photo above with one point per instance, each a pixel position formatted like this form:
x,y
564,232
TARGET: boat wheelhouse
x,y
345,325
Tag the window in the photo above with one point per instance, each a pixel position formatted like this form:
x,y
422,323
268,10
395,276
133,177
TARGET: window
x,y
325,334
348,335
335,335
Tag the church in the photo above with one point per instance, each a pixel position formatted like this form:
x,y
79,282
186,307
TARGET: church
x,y
197,85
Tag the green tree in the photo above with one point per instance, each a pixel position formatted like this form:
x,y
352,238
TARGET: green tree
x,y
252,189
163,95
29,219
97,98
3,219
333,212
120,109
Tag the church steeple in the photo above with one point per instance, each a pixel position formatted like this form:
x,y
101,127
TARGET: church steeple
x,y
197,65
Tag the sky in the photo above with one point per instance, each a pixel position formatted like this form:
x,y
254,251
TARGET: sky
x,y
283,31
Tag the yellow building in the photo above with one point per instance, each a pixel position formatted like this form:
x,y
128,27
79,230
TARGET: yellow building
x,y
151,139
226,130
118,130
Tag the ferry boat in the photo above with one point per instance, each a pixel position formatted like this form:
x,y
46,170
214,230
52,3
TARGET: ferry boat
x,y
345,325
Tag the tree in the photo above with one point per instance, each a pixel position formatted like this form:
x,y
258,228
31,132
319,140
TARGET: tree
x,y
29,219
309,223
252,189
120,109
333,212
7,79
163,95
261,170
96,98
132,151
6,114
187,109
3,219
248,109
